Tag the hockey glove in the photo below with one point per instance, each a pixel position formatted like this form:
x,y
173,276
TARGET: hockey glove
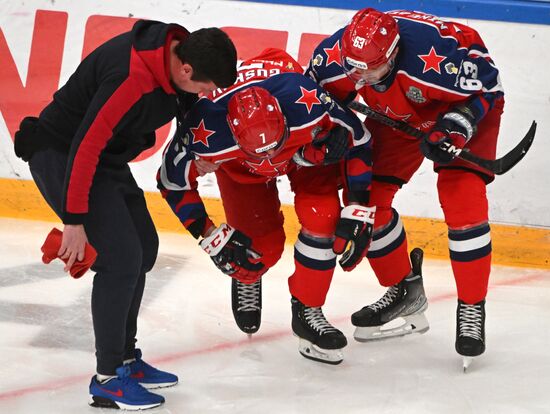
x,y
230,250
449,135
327,149
353,235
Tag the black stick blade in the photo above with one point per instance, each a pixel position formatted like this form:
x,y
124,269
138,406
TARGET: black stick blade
x,y
507,162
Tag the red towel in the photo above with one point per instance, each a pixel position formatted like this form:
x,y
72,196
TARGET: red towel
x,y
51,247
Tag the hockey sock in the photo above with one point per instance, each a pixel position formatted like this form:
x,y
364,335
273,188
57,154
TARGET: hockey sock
x,y
315,262
464,201
388,254
470,252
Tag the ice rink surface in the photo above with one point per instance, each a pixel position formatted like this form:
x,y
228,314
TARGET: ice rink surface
x,y
186,327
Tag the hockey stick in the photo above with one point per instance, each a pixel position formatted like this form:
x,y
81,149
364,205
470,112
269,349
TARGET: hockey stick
x,y
498,166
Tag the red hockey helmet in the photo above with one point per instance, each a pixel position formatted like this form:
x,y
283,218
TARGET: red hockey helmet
x,y
368,41
257,122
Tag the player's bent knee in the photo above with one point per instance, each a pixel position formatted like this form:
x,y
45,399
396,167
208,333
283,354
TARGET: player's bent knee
x,y
318,215
270,246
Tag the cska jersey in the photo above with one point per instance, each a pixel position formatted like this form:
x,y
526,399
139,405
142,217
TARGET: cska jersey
x,y
440,64
205,134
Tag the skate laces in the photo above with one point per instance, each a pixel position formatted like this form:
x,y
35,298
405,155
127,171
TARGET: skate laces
x,y
315,318
249,296
385,300
470,317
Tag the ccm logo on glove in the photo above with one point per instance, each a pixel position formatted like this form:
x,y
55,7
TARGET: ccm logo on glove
x,y
214,243
449,136
361,213
232,253
353,235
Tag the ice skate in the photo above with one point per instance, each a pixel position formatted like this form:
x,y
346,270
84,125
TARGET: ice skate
x,y
318,339
246,302
470,331
405,300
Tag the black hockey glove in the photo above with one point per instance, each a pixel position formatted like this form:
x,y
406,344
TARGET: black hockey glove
x,y
329,148
449,135
353,235
231,251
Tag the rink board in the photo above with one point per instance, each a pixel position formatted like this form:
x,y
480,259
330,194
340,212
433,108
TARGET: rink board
x,y
512,245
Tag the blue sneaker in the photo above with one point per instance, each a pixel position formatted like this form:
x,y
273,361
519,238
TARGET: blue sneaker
x,y
148,376
122,392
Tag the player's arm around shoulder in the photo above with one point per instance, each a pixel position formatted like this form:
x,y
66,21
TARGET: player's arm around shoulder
x,y
340,115
310,111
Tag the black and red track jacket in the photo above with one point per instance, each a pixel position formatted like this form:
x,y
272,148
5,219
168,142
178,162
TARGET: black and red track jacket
x,y
109,109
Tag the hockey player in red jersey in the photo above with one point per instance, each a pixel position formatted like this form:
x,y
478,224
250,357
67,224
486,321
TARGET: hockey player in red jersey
x,y
437,76
257,130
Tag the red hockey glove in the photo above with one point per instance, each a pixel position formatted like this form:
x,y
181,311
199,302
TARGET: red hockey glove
x,y
329,148
231,251
353,235
51,247
449,135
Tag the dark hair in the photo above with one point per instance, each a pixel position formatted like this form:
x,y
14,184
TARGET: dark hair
x,y
211,54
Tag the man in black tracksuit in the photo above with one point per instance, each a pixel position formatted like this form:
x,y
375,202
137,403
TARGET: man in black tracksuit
x,y
78,152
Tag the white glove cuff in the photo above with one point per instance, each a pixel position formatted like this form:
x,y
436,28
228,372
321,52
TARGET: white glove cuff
x,y
461,120
214,243
360,213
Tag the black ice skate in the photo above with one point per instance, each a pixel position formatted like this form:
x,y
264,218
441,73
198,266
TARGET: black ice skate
x,y
405,299
246,302
318,339
470,331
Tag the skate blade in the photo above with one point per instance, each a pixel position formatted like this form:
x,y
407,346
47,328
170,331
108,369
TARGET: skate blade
x,y
313,352
249,330
416,323
466,361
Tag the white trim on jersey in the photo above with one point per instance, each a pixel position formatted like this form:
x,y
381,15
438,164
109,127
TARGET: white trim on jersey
x,y
496,88
333,79
313,122
213,154
479,53
180,156
170,185
356,142
427,23
433,85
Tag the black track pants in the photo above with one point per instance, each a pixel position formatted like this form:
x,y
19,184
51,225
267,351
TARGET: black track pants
x,y
120,228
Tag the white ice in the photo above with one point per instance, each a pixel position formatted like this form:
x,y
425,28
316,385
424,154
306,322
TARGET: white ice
x,y
186,326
